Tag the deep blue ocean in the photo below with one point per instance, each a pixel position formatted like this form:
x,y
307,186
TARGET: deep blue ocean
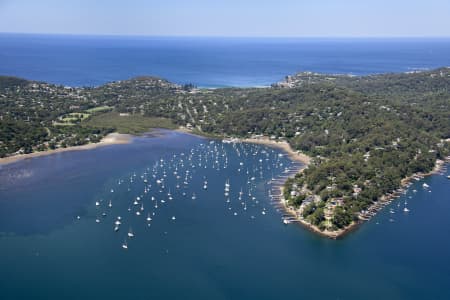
x,y
208,62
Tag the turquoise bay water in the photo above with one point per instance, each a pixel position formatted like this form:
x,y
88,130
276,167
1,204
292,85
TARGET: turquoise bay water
x,y
207,252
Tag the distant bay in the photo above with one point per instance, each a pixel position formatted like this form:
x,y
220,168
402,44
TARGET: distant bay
x,y
209,62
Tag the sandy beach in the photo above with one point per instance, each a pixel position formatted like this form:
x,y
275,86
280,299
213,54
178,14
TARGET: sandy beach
x,y
184,130
294,155
110,139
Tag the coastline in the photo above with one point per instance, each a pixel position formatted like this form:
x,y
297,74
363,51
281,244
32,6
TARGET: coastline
x,y
305,160
372,209
186,130
110,139
113,138
285,146
386,199
289,210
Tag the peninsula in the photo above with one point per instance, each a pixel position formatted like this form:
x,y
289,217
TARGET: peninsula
x,y
360,136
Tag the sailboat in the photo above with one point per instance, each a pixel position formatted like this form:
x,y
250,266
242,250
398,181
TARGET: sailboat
x,y
130,233
227,185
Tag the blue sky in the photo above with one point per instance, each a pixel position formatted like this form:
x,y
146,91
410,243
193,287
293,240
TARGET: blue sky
x,y
312,18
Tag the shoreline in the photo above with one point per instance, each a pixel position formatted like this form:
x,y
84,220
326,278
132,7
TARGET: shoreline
x,y
373,209
118,138
305,160
405,183
289,210
110,139
113,138
285,146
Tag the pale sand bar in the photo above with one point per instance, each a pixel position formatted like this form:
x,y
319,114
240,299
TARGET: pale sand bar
x,y
294,155
110,139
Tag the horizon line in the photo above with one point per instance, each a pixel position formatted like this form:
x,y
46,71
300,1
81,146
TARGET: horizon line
x,y
231,36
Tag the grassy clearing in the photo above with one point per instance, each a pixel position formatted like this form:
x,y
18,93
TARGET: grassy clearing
x,y
63,124
71,119
75,116
99,109
132,124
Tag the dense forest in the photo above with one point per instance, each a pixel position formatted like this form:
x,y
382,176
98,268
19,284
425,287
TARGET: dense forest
x,y
364,133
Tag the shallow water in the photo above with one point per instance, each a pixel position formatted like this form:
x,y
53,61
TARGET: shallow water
x,y
207,252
